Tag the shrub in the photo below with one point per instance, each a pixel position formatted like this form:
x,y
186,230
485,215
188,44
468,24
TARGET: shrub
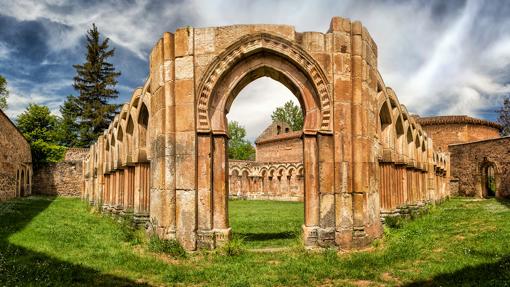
x,y
234,247
394,221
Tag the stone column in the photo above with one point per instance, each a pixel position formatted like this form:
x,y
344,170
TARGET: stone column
x,y
311,185
205,233
161,201
185,140
327,223
220,189
141,185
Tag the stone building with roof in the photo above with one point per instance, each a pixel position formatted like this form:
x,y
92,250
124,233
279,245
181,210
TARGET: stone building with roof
x,y
15,161
479,156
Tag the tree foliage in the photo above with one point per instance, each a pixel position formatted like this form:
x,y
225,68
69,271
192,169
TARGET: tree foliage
x,y
69,128
238,147
95,81
40,128
504,117
291,114
4,93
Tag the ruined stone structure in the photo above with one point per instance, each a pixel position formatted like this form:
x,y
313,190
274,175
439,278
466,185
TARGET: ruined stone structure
x,y
269,181
276,173
477,154
61,178
164,157
475,163
446,130
15,161
278,143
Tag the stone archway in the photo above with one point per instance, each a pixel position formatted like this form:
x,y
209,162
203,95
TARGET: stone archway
x,y
196,73
250,58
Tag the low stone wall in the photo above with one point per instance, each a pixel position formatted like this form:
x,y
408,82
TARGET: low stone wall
x,y
62,178
469,160
269,181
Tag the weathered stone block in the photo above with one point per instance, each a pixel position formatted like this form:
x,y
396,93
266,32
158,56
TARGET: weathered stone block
x,y
184,68
186,218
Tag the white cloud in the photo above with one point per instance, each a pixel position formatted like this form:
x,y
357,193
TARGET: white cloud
x,y
255,104
454,63
40,93
4,51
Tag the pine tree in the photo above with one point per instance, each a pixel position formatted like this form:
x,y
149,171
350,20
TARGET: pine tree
x,y
69,128
95,80
504,117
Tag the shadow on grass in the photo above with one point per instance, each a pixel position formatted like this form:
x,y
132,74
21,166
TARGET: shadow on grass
x,y
493,274
267,236
503,201
20,266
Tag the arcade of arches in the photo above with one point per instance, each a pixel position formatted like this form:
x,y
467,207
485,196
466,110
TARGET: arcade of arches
x,y
164,157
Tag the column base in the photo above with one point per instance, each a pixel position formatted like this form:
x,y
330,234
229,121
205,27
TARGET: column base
x,y
141,219
117,209
210,239
106,208
317,236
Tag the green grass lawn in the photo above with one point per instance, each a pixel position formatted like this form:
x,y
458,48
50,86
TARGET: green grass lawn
x,y
261,223
61,242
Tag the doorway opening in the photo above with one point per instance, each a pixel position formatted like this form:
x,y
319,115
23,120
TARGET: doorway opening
x,y
488,179
265,165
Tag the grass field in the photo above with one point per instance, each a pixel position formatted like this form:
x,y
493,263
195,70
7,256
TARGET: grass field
x,y
263,223
61,242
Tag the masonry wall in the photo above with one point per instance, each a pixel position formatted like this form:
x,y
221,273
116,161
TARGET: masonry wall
x,y
15,161
284,148
62,178
466,162
446,130
267,181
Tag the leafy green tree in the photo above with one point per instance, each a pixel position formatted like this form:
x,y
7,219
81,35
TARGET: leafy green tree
x,y
239,147
291,114
40,128
504,117
4,93
95,80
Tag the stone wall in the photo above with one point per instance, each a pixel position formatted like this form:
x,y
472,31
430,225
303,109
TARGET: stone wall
x,y
62,178
446,130
15,161
278,143
469,159
269,181
76,154
282,148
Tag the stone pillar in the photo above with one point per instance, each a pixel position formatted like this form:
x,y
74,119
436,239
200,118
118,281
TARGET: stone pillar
x,y
161,202
326,177
220,189
205,233
311,185
185,140
126,191
141,193
120,191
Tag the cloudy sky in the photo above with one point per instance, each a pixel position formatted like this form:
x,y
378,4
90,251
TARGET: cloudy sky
x,y
441,57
